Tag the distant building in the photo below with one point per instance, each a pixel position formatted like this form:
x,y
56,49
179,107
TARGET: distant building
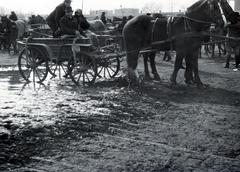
x,y
237,5
126,12
99,12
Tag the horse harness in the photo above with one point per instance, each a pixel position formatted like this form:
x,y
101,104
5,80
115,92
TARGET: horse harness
x,y
170,20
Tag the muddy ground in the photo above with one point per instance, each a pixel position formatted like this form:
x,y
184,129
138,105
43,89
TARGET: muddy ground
x,y
110,126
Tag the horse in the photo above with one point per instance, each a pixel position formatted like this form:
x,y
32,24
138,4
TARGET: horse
x,y
10,33
97,25
22,29
150,56
145,32
233,30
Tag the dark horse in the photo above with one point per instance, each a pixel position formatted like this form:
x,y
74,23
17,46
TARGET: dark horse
x,y
10,33
142,32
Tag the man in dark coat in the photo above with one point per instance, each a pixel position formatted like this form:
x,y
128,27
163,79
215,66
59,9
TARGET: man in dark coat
x,y
68,24
53,20
13,16
103,18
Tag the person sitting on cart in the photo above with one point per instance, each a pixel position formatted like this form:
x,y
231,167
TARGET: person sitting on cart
x,y
53,20
81,20
69,25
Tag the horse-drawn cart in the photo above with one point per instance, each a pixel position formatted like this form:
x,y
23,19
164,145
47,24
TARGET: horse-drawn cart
x,y
74,57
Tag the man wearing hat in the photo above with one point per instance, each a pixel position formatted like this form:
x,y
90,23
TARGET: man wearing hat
x,y
53,20
68,25
103,18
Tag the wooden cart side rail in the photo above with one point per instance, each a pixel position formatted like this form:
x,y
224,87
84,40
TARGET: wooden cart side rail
x,y
45,49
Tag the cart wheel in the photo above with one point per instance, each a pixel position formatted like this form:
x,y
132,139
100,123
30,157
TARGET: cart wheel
x,y
83,70
32,64
58,68
108,66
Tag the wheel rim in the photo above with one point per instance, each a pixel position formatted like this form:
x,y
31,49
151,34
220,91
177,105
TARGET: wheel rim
x,y
109,67
32,65
84,70
60,69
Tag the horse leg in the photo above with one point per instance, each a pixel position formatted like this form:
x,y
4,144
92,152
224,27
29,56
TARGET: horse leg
x,y
228,60
237,58
168,55
14,44
146,71
132,61
197,79
177,66
188,74
9,47
213,49
153,66
200,52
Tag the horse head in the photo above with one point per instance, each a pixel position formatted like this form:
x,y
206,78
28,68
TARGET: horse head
x,y
208,11
229,13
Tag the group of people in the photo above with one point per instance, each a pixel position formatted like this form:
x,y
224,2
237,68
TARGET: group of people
x,y
63,22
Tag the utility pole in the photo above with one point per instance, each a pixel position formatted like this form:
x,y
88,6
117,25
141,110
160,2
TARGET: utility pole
x,y
121,10
82,5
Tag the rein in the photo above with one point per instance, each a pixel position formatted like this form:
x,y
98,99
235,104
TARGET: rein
x,y
197,21
183,35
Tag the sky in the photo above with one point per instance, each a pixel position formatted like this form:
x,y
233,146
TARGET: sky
x,y
46,6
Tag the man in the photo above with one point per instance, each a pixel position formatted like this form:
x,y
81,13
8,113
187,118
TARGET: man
x,y
103,18
68,25
81,20
13,16
122,24
53,20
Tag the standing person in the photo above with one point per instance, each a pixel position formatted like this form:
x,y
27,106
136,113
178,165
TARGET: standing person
x,y
122,24
13,16
53,20
103,18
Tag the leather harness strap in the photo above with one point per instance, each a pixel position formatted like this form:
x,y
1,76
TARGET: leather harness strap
x,y
153,29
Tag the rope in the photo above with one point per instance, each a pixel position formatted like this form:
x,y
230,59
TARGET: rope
x,y
197,21
183,35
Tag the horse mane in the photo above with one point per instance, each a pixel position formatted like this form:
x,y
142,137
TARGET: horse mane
x,y
229,13
197,4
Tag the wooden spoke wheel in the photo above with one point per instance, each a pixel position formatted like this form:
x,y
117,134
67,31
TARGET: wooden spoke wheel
x,y
83,69
108,66
58,68
33,65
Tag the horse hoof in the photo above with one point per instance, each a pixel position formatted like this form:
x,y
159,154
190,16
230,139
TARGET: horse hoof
x,y
189,82
202,86
173,81
147,78
157,78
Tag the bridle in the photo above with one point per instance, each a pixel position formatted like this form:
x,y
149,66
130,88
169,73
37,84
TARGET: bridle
x,y
207,23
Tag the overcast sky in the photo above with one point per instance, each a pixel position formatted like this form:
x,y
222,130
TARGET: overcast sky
x,y
46,6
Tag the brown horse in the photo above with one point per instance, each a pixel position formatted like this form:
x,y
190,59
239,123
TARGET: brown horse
x,y
142,32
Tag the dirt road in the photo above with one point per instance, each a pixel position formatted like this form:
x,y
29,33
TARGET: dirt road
x,y
112,127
